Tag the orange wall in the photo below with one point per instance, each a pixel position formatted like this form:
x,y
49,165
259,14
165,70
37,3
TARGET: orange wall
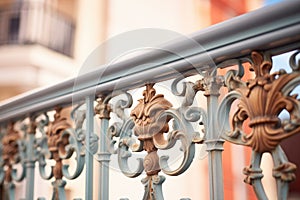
x,y
225,9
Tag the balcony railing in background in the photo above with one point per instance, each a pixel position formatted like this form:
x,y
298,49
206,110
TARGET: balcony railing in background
x,y
243,45
36,23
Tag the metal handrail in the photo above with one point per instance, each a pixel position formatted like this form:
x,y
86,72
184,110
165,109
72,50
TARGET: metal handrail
x,y
267,28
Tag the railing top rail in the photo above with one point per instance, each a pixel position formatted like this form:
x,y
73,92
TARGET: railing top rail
x,y
268,28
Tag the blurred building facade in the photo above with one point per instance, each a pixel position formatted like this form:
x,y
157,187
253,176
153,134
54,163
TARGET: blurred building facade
x,y
46,41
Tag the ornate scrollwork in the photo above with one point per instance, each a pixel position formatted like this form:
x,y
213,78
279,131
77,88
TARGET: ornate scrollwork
x,y
11,150
145,116
148,128
58,143
145,129
190,113
127,144
10,153
42,147
261,100
118,108
151,118
123,131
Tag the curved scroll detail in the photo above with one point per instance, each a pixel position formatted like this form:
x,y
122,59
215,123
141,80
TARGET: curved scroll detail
x,y
59,142
121,105
43,151
149,122
16,175
117,128
223,119
127,144
120,130
151,119
11,150
183,131
261,100
74,144
233,77
71,141
293,61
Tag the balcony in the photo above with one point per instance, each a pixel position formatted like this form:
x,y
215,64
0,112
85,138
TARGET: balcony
x,y
147,116
28,23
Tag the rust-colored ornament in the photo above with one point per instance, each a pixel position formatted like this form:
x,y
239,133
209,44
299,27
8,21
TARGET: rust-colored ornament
x,y
149,125
103,109
285,172
10,150
262,100
55,144
147,112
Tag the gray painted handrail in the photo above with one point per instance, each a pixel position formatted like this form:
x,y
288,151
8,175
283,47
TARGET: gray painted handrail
x,y
267,28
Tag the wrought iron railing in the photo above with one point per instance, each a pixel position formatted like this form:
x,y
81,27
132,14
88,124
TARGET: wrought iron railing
x,y
36,23
218,58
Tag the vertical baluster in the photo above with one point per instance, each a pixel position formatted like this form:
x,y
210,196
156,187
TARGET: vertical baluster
x,y
214,142
30,161
103,110
88,154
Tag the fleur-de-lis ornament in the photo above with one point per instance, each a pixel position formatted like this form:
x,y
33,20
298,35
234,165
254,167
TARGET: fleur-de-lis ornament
x,y
10,150
262,100
148,127
55,142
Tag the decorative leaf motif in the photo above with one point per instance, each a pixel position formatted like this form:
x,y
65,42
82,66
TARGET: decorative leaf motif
x,y
10,145
261,102
146,113
285,171
252,174
11,150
